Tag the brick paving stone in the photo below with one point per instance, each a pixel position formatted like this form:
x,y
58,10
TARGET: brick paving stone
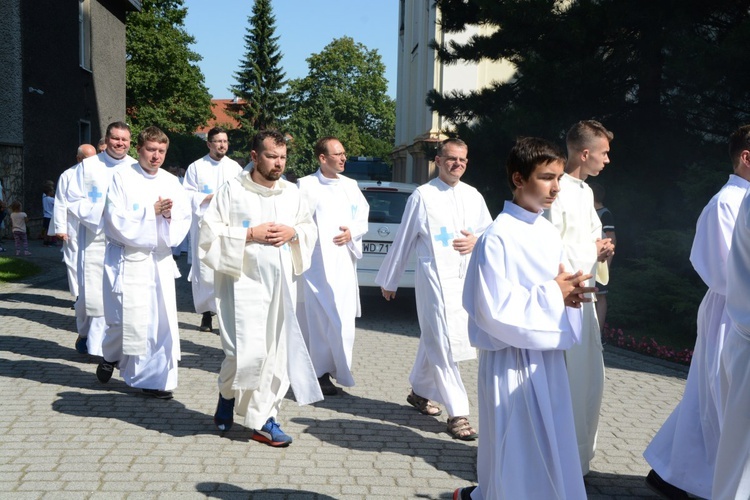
x,y
65,435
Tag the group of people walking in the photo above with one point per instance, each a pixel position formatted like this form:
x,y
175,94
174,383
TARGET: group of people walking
x,y
275,263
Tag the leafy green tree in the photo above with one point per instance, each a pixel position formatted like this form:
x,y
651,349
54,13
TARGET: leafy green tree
x,y
260,80
344,95
164,87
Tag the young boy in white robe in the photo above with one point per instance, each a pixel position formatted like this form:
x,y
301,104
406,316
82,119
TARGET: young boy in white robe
x,y
147,212
524,311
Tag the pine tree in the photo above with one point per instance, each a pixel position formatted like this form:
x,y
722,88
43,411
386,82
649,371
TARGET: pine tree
x,y
260,80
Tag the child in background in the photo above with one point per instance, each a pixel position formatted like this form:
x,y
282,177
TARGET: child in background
x,y
48,207
19,219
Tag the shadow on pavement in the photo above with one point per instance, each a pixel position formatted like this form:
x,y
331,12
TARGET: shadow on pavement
x,y
34,298
452,457
605,486
230,492
43,349
130,405
43,317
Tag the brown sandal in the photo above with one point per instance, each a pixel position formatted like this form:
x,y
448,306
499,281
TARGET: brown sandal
x,y
424,405
460,428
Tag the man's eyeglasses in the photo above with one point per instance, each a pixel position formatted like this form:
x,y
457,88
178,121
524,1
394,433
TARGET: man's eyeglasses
x,y
338,155
456,159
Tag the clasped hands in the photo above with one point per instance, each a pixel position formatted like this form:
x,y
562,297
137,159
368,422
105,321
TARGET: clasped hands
x,y
604,249
573,287
270,233
163,207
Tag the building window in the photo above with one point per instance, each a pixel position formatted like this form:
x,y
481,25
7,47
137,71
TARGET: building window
x,y
84,33
84,132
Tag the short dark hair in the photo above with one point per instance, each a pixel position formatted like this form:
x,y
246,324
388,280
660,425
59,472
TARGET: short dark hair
x,y
582,134
321,145
118,125
154,134
278,139
455,141
598,191
214,132
527,154
739,141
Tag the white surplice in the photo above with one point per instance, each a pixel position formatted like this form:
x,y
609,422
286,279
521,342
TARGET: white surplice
x,y
732,470
574,216
330,292
203,177
65,223
519,323
435,214
683,452
140,303
256,287
85,201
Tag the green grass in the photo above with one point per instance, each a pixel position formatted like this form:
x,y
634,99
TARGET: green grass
x,y
14,269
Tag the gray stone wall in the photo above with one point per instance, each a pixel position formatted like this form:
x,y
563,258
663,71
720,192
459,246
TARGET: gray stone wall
x,y
11,175
11,101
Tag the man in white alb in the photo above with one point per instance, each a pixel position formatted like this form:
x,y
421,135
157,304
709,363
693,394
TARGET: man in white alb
x,y
330,289
441,223
202,179
683,453
147,213
85,200
257,235
66,227
574,215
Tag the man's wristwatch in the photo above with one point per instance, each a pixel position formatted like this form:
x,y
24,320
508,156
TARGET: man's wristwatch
x,y
294,238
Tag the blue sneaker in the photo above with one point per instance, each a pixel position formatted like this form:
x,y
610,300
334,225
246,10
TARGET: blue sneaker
x,y
224,416
81,346
272,435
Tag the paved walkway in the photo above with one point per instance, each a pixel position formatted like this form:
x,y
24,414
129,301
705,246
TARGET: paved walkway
x,y
64,435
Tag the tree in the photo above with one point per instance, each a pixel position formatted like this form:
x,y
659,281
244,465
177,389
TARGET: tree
x,y
164,87
668,77
260,80
344,95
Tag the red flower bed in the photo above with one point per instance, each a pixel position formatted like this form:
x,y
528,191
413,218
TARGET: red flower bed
x,y
645,345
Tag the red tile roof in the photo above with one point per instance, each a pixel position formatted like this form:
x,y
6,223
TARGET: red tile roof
x,y
222,118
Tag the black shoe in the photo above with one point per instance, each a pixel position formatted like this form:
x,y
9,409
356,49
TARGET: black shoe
x,y
326,386
156,393
104,371
206,323
224,416
463,493
663,488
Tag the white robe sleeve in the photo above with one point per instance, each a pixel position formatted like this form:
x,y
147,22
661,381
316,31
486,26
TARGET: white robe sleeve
x,y
133,228
220,246
395,261
713,237
526,318
78,202
359,224
190,184
59,223
308,236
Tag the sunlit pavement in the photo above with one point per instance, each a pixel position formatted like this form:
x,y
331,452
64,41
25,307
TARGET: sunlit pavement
x,y
65,435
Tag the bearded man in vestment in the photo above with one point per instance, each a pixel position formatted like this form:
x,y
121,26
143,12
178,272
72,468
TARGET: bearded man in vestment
x,y
257,235
147,213
440,223
330,289
574,216
682,454
85,198
202,179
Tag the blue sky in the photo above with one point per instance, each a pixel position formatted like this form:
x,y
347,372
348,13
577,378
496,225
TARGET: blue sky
x,y
304,27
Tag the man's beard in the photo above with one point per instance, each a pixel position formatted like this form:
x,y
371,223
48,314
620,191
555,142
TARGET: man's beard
x,y
270,175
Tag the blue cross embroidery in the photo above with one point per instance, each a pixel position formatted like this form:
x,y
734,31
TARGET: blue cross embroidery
x,y
94,194
354,211
206,189
135,207
444,237
246,224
